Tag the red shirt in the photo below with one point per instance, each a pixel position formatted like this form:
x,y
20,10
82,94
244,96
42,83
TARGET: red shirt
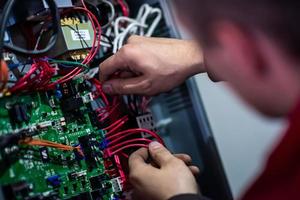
x,y
280,179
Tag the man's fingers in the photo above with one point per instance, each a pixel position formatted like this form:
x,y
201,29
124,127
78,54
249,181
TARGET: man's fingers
x,y
160,154
138,158
110,66
138,167
123,60
135,85
136,39
185,158
188,161
195,170
125,74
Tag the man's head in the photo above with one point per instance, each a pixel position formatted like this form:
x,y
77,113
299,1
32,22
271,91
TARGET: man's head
x,y
254,45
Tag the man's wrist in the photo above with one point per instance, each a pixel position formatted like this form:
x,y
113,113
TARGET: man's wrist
x,y
194,59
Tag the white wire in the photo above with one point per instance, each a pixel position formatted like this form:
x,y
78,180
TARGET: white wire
x,y
119,40
141,10
143,16
108,31
113,13
134,26
155,22
92,73
105,40
104,44
117,23
131,29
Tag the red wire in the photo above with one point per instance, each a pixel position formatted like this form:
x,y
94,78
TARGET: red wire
x,y
125,147
124,8
93,17
125,118
98,86
101,110
90,16
36,78
66,78
108,113
116,128
137,140
125,155
123,134
119,166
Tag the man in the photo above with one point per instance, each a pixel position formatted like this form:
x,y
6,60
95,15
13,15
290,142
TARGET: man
x,y
254,46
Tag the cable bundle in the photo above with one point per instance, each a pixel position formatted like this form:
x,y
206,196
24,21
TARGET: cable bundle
x,y
38,78
120,141
124,26
116,142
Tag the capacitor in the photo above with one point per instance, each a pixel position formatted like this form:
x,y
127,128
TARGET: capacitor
x,y
58,94
54,180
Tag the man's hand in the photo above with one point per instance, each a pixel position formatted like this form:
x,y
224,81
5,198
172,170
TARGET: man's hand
x,y
170,177
149,66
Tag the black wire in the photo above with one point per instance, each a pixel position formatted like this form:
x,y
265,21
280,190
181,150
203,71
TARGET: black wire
x,y
81,39
5,16
108,38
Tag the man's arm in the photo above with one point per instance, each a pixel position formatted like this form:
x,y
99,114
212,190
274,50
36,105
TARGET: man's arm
x,y
149,66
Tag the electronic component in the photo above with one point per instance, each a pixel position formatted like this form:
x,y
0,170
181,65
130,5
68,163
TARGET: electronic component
x,y
85,145
75,37
44,154
78,36
97,181
67,90
146,122
54,180
77,175
88,98
19,113
71,104
116,184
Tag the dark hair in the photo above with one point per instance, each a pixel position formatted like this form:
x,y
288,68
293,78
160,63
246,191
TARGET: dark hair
x,y
278,18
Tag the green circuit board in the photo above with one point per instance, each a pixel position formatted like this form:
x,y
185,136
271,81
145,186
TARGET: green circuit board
x,y
61,116
59,138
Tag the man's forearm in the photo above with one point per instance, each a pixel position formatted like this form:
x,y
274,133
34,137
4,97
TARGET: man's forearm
x,y
192,57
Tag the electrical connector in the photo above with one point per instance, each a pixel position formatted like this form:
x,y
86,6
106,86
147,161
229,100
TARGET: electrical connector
x,y
146,122
116,184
